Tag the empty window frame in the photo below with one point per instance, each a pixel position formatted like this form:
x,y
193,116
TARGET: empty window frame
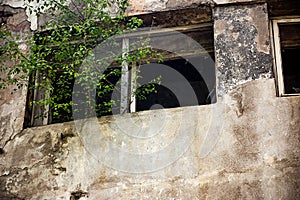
x,y
287,51
182,83
164,97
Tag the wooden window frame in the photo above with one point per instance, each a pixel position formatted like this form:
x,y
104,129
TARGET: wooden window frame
x,y
276,46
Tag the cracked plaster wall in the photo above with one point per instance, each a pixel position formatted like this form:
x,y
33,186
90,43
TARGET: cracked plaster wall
x,y
253,153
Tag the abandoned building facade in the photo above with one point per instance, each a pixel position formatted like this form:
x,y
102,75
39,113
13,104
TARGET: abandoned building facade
x,y
240,138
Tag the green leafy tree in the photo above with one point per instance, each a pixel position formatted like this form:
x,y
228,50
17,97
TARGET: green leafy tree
x,y
58,49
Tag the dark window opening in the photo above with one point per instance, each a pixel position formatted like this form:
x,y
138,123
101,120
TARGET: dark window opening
x,y
105,104
162,98
182,84
291,70
290,52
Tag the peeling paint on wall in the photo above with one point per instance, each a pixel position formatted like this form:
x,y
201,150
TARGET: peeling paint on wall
x,y
242,45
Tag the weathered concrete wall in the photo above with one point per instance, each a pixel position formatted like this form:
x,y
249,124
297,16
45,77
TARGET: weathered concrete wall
x,y
137,7
245,147
12,110
12,104
146,6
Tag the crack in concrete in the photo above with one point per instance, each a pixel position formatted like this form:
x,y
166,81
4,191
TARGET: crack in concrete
x,y
11,138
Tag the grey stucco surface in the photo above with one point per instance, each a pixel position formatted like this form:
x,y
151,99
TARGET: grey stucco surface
x,y
246,146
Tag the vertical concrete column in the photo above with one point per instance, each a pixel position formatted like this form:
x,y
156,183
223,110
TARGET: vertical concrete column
x,y
242,45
